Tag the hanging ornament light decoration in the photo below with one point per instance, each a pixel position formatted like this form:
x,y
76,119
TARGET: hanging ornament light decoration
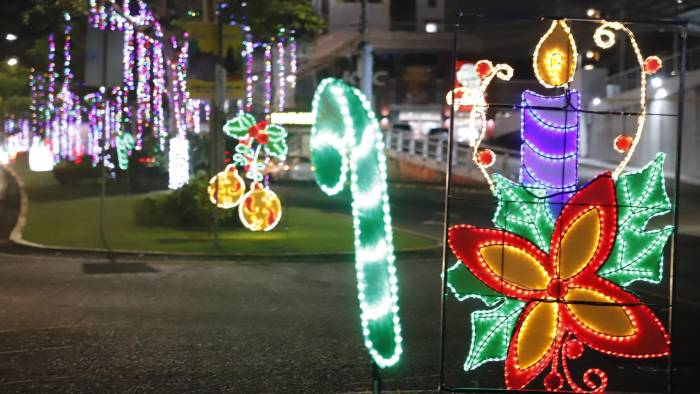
x,y
260,209
346,138
553,283
226,189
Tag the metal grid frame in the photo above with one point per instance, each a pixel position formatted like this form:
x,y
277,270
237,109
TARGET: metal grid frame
x,y
681,27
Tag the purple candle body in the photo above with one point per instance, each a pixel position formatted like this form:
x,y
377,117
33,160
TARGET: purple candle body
x,y
549,150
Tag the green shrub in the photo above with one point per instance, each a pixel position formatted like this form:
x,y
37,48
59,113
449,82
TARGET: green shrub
x,y
187,207
68,173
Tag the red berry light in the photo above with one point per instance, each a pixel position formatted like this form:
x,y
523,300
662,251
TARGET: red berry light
x,y
574,349
486,157
623,143
553,381
484,68
652,64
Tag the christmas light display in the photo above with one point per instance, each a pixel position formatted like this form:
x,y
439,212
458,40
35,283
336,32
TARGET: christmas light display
x,y
486,72
249,53
293,63
61,118
281,75
40,156
604,37
226,189
125,145
565,300
346,138
260,209
253,138
268,78
555,56
552,288
549,147
178,162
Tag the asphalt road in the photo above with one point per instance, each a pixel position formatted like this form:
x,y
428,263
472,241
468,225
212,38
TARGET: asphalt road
x,y
83,325
206,327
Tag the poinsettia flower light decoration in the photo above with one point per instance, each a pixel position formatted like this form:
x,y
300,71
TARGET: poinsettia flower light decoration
x,y
568,305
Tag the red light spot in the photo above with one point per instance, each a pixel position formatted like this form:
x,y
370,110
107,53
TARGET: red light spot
x,y
486,157
623,143
557,288
652,64
483,69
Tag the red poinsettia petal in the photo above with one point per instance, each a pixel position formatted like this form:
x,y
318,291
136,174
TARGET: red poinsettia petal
x,y
613,321
585,231
535,341
504,261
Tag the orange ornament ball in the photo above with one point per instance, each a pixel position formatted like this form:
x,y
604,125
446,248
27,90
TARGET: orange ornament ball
x,y
226,189
261,209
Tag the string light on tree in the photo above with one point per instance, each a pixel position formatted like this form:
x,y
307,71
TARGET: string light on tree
x,y
268,78
179,162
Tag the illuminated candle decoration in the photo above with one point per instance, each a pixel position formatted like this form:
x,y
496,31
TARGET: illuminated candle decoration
x,y
178,162
261,209
346,138
226,189
555,56
549,150
553,288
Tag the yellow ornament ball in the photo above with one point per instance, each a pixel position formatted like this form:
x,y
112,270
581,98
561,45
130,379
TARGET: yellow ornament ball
x,y
226,189
261,209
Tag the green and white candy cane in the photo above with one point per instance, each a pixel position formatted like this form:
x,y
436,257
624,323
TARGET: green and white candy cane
x,y
345,138
125,144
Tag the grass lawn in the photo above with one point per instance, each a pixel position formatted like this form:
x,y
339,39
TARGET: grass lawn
x,y
59,216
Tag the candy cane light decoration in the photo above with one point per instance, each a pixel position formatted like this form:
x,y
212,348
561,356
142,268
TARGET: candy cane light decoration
x,y
345,138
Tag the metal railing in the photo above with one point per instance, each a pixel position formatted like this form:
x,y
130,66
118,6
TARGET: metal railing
x,y
432,152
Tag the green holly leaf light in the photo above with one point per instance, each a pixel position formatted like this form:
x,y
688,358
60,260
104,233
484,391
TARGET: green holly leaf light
x,y
638,253
491,328
238,127
523,211
277,145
